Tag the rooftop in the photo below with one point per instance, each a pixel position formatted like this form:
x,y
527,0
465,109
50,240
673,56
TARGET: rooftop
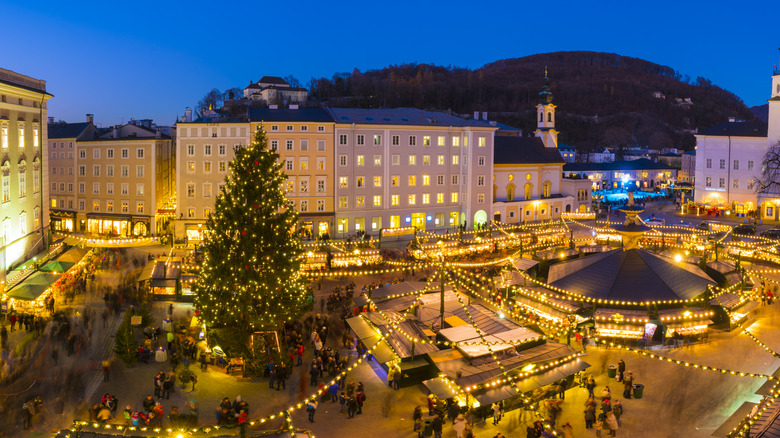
x,y
402,116
289,115
737,129
521,150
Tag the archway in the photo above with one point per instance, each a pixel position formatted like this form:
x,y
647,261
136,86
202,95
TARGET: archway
x,y
497,216
480,217
139,229
568,208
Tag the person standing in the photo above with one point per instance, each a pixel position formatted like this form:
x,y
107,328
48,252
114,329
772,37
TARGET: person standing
x,y
612,423
312,409
591,385
496,413
628,385
333,389
621,369
590,417
360,397
281,376
437,425
459,425
106,370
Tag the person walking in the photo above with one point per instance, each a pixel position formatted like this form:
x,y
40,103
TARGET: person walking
x,y
591,385
311,408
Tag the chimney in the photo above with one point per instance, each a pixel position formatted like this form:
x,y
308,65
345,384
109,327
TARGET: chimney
x,y
158,133
188,114
51,120
293,106
90,118
183,119
484,115
476,115
116,131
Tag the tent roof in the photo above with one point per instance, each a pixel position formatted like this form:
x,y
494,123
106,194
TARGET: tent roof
x,y
34,286
615,275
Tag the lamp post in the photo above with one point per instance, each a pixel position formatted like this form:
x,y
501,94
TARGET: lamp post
x,y
441,288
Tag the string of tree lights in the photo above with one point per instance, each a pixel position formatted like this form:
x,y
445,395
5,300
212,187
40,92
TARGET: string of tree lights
x,y
251,272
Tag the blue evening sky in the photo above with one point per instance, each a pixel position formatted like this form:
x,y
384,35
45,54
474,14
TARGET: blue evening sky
x,y
147,59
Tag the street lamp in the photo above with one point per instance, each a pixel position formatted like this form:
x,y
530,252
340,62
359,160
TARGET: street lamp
x,y
441,288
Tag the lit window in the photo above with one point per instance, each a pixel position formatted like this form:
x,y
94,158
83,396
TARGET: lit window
x,y
412,160
456,141
360,201
4,135
191,190
320,163
304,164
222,166
426,160
377,140
36,138
343,182
441,140
426,180
377,160
394,199
455,159
440,160
454,197
342,202
394,180
207,166
361,160
426,198
440,198
426,140
481,142
412,180
377,181
139,171
361,181
377,200
139,207
412,199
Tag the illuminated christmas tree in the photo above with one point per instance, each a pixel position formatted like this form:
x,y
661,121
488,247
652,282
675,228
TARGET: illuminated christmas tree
x,y
250,277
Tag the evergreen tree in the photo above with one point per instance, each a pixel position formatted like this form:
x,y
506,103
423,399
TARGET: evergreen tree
x,y
250,276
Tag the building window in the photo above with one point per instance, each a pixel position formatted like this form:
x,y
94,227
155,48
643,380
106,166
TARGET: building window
x,y
360,160
377,200
343,182
139,153
6,188
396,140
426,160
82,170
139,207
126,171
722,163
342,160
304,128
440,160
342,139
289,127
320,145
95,188
440,198
426,198
190,212
22,185
735,183
456,141
190,150
750,165
109,188
274,145
455,160
361,182
454,197
396,160
320,163
139,171
412,160
304,164
481,198
126,153
190,190
274,127
546,188
222,166
139,189
481,160
23,223
96,154
480,180
440,180
454,180
528,191
360,201
4,135
207,190
82,187
722,182
377,181
206,212
342,202
320,203
290,145
125,188
320,186
426,140
110,170
361,139
36,138
82,154
412,199
37,217
394,181
394,199
289,164
222,149
207,166
377,160
304,186
412,180
96,170
481,143
95,205
377,140
426,180
304,205
82,205
736,164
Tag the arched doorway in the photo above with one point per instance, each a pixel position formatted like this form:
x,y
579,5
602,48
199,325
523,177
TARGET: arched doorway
x,y
480,217
497,216
568,208
139,229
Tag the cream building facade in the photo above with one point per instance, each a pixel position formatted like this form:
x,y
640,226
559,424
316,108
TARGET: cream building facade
x,y
23,181
400,168
116,182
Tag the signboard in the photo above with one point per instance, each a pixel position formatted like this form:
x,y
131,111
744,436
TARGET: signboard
x,y
4,307
135,320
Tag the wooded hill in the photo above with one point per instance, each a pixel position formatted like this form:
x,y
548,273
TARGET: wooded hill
x,y
601,98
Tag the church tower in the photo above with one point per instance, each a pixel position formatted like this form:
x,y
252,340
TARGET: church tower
x,y
545,116
773,133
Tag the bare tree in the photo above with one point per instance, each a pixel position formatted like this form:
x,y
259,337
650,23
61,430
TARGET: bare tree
x,y
232,93
293,81
212,99
769,181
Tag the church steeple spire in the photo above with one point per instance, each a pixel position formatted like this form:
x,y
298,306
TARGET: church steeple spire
x,y
545,115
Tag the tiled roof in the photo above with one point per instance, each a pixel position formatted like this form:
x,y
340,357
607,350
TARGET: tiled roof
x,y
272,80
289,115
67,130
737,129
640,164
402,116
521,150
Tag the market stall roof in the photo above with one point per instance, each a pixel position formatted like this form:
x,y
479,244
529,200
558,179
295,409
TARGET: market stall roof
x,y
532,382
768,423
484,369
361,327
73,255
485,319
521,263
146,272
398,341
32,287
438,387
722,266
169,282
735,419
615,275
404,287
401,303
479,350
57,266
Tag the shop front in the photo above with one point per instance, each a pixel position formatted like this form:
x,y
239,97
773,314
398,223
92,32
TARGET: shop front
x,y
62,221
194,233
769,208
314,225
118,225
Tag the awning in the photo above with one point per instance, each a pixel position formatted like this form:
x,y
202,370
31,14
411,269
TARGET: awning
x,y
560,372
439,388
360,300
170,282
495,394
362,329
34,286
735,419
73,255
57,266
62,213
383,353
146,273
